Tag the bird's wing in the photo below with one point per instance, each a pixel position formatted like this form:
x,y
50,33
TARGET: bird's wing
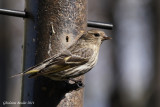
x,y
61,62
75,57
68,60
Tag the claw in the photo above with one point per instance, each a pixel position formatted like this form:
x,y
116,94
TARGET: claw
x,y
79,82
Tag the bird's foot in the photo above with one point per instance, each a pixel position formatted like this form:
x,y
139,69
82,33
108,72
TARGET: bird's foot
x,y
79,82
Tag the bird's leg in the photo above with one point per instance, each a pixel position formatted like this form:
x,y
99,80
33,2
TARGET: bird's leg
x,y
72,84
79,82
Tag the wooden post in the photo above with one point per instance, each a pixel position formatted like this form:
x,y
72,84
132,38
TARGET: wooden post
x,y
51,27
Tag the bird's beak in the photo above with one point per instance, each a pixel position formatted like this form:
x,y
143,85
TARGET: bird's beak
x,y
106,38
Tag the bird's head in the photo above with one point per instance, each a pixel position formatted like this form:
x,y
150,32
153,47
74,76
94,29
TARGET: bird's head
x,y
96,36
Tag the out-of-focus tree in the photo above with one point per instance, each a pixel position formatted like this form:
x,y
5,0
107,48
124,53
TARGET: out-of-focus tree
x,y
134,52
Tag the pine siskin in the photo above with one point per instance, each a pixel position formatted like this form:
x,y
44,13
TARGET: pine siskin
x,y
78,59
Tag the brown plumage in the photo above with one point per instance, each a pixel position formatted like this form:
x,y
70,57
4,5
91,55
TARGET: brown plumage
x,y
78,59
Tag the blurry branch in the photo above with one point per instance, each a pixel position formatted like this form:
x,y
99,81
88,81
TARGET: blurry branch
x,y
23,14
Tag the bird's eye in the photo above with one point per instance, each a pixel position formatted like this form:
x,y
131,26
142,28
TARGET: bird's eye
x,y
96,34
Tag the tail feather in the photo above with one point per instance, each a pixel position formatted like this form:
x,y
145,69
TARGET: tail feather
x,y
25,73
33,75
19,74
32,70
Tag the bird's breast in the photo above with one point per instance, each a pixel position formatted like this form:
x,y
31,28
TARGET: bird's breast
x,y
93,59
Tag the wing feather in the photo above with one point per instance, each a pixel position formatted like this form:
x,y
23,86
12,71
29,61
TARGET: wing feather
x,y
68,60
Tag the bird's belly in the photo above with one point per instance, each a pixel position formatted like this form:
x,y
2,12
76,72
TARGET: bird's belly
x,y
71,73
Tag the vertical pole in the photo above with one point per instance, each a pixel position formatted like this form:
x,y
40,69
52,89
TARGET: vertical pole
x,y
29,50
53,26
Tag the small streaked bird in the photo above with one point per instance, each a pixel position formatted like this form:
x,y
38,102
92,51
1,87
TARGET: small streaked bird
x,y
76,60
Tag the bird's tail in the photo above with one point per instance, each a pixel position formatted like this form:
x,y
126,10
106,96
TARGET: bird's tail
x,y
32,71
19,74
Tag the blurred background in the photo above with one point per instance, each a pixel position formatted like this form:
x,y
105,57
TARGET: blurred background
x,y
127,73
